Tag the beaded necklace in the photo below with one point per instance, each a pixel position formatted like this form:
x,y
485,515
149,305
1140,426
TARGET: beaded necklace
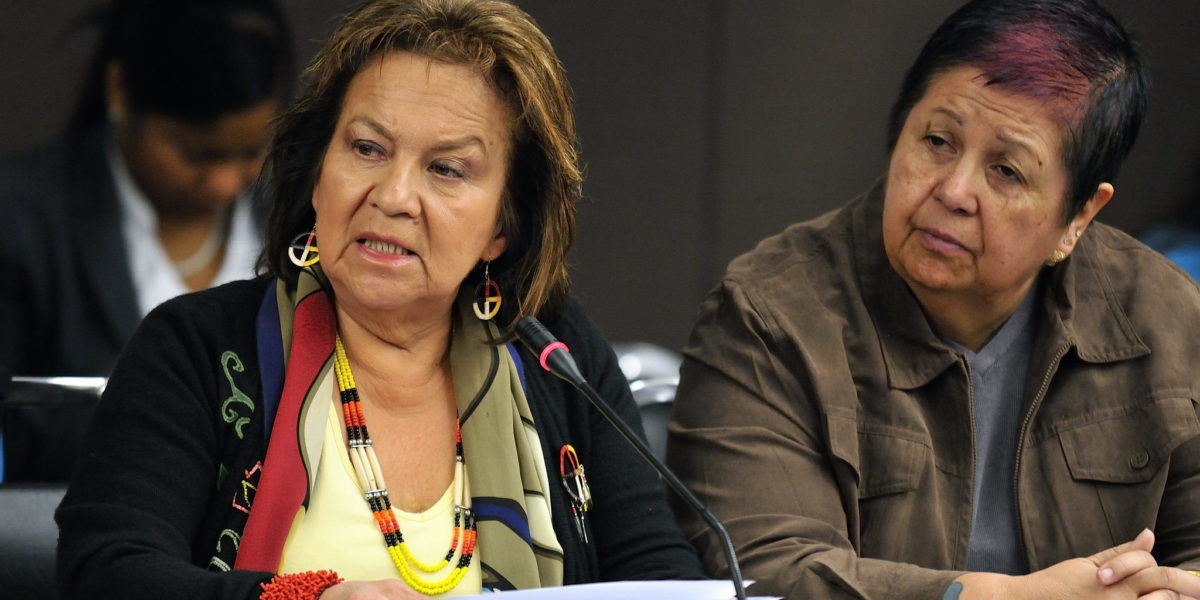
x,y
370,475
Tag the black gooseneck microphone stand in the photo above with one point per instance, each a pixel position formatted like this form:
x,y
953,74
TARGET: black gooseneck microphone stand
x,y
554,356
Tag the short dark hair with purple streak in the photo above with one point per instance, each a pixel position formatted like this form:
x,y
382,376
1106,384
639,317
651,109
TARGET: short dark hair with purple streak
x,y
1071,53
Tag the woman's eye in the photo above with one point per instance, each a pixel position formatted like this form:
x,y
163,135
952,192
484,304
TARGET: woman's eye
x,y
366,149
1008,172
446,169
936,141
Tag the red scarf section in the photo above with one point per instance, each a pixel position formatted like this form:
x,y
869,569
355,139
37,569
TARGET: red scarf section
x,y
284,482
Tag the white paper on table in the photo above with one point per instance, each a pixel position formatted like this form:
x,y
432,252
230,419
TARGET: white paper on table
x,y
629,590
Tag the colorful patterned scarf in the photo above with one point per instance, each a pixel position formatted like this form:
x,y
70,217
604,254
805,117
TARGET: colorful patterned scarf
x,y
509,485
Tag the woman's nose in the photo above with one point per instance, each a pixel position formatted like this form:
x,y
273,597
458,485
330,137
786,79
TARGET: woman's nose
x,y
958,190
397,193
227,180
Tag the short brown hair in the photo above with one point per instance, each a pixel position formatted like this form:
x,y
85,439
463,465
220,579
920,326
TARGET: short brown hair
x,y
504,45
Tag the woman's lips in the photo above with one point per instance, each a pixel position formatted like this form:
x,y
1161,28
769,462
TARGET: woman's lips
x,y
940,242
383,247
385,251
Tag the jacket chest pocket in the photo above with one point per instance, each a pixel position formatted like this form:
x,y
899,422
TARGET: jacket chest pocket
x,y
893,467
1128,445
889,462
1117,459
885,460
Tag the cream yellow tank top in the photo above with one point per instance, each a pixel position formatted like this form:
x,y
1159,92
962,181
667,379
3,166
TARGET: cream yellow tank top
x,y
338,531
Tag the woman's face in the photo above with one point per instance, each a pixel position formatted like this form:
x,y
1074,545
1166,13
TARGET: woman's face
x,y
185,169
408,198
976,193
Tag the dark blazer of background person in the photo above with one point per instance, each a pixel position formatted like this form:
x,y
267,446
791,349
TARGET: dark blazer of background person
x,y
68,304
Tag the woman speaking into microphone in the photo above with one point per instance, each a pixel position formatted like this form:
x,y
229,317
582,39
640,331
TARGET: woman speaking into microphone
x,y
352,424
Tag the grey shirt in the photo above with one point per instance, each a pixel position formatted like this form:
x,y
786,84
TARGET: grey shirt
x,y
998,372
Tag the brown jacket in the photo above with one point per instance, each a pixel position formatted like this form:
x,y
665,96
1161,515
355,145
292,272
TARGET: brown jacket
x,y
831,431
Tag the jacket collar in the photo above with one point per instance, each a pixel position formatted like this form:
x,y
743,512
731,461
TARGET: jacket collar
x,y
1082,301
95,216
1079,306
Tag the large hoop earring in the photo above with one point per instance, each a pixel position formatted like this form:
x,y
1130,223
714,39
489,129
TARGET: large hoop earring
x,y
487,301
303,249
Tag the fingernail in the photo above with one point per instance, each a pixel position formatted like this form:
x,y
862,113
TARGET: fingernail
x,y
1106,575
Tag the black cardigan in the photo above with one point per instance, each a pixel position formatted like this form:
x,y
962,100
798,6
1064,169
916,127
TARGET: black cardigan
x,y
151,499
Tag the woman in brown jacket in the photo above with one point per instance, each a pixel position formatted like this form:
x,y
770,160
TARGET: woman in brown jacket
x,y
959,386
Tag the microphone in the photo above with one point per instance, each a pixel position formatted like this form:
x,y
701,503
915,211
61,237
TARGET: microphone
x,y
555,357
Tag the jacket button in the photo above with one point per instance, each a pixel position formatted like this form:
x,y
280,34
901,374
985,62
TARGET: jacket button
x,y
1139,459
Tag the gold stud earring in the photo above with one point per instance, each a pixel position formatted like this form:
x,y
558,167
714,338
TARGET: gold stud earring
x,y
1056,257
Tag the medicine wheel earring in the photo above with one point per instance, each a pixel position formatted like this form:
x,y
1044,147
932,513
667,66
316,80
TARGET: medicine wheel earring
x,y
487,301
303,249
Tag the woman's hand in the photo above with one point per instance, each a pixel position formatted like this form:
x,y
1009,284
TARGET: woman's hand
x,y
1124,572
383,589
1132,566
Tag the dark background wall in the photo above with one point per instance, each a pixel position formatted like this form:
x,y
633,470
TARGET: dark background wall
x,y
706,125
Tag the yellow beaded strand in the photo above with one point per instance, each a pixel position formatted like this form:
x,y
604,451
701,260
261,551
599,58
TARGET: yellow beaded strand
x,y
370,474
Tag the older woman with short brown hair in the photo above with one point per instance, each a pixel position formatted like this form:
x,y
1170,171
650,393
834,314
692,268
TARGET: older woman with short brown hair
x,y
960,385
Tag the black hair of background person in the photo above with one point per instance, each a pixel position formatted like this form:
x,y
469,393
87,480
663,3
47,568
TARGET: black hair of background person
x,y
220,56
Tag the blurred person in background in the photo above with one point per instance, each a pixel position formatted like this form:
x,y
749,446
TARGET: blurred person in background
x,y
145,196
